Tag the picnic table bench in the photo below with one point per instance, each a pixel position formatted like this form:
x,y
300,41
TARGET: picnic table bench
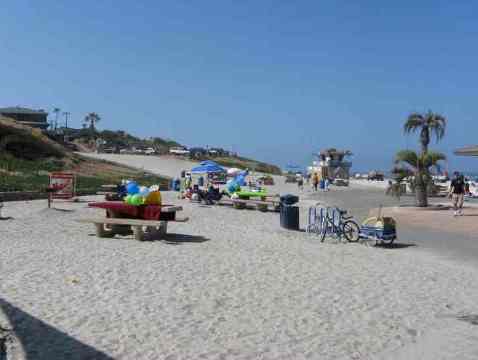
x,y
127,219
261,205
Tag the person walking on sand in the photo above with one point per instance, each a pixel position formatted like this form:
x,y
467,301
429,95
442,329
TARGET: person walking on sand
x,y
315,181
457,193
300,182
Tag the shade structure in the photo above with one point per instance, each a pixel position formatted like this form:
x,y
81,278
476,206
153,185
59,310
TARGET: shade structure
x,y
467,151
207,169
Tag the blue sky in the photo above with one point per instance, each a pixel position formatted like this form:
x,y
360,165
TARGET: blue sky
x,y
275,80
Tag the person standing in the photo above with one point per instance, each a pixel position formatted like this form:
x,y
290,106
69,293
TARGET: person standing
x,y
300,182
315,181
457,193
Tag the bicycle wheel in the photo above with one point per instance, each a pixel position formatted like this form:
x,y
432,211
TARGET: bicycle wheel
x,y
351,231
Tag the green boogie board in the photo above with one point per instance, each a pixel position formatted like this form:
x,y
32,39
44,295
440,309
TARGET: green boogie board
x,y
249,194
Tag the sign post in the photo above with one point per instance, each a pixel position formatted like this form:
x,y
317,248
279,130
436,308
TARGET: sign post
x,y
62,186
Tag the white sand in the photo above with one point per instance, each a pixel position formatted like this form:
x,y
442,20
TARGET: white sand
x,y
369,184
229,284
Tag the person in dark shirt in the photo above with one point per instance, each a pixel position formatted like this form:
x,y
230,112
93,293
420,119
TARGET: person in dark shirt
x,y
457,193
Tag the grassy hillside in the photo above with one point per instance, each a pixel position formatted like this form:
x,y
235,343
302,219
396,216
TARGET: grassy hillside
x,y
244,163
121,139
26,157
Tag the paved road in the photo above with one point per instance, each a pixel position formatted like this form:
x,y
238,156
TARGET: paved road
x,y
458,246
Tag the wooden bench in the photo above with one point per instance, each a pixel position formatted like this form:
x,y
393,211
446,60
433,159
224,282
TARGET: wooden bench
x,y
109,227
261,205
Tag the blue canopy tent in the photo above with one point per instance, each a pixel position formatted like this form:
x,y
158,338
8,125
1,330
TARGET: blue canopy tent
x,y
208,169
208,162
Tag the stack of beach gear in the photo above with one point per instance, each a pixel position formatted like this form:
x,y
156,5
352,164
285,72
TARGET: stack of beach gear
x,y
379,228
234,185
141,195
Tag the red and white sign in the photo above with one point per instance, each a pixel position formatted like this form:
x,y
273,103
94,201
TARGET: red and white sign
x,y
62,185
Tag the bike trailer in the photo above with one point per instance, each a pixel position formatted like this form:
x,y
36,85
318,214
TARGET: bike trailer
x,y
382,229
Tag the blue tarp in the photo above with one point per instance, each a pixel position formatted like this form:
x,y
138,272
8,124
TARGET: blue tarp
x,y
208,162
207,169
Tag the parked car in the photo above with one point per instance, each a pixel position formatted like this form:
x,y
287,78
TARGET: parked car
x,y
375,176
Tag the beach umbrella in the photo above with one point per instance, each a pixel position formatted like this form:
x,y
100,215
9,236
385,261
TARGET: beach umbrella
x,y
207,169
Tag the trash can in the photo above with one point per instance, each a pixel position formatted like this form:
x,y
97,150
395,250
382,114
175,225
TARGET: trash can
x,y
289,214
289,199
289,217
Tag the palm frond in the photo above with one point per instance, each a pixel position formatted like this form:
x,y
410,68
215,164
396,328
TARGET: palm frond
x,y
408,157
432,158
399,173
413,123
437,125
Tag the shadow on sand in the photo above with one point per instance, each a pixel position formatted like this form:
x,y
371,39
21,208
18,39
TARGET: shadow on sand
x,y
395,245
41,341
177,239
62,210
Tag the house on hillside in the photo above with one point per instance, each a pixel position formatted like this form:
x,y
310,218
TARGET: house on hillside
x,y
34,118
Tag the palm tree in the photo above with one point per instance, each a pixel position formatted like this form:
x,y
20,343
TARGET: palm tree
x,y
410,163
427,124
91,120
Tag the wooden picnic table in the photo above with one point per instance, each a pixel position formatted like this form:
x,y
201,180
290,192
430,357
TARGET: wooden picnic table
x,y
127,219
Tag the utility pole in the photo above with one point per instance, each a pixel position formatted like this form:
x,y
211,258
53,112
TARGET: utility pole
x,y
66,114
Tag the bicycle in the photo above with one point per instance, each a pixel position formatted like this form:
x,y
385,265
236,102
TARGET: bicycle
x,y
343,226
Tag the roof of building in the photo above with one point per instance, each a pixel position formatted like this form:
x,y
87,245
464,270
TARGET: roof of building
x,y
467,151
21,110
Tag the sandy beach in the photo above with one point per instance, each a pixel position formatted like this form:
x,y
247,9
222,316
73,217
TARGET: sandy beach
x,y
228,284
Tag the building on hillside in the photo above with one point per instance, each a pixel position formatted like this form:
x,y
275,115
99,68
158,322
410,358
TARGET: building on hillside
x,y
25,116
332,164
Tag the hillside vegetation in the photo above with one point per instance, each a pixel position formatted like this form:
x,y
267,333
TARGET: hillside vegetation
x,y
121,139
26,157
244,163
